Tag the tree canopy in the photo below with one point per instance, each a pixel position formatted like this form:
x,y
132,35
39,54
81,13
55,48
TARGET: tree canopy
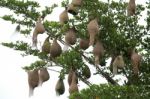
x,y
117,35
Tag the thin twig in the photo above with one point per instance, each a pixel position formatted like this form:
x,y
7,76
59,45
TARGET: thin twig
x,y
85,81
53,70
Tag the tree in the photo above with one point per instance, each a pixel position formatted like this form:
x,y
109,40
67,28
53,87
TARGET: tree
x,y
119,34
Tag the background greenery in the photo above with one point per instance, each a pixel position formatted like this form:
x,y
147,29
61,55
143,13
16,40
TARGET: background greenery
x,y
118,32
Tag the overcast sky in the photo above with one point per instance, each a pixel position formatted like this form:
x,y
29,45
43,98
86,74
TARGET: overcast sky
x,y
13,80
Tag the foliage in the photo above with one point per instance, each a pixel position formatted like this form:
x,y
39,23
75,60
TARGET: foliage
x,y
35,65
118,32
113,92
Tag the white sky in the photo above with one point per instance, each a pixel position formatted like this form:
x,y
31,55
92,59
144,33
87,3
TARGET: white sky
x,y
13,83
